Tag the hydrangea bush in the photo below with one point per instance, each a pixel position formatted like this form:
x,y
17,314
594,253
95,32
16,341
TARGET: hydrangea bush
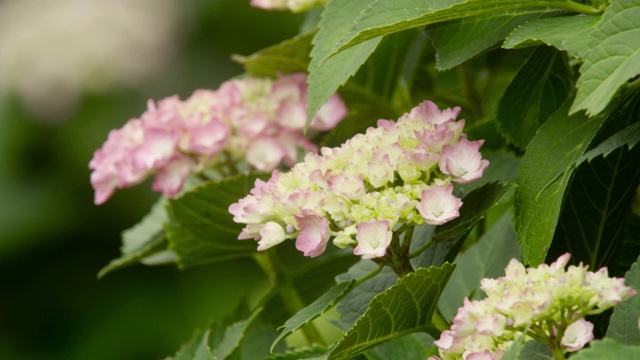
x,y
423,224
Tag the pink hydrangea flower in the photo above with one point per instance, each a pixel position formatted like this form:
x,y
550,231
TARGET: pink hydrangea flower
x,y
255,121
463,161
529,299
292,5
365,188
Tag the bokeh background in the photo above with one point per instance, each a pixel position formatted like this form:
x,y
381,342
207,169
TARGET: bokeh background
x,y
71,70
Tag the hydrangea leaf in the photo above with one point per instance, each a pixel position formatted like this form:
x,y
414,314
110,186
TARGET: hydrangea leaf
x,y
386,17
460,40
312,352
486,259
315,309
404,308
527,350
201,229
408,347
566,33
623,326
607,349
287,57
612,57
142,240
325,77
355,303
559,142
196,349
598,201
539,88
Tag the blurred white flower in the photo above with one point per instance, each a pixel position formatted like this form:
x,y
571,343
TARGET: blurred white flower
x,y
52,51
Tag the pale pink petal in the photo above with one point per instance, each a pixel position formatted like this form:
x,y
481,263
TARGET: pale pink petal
x,y
314,234
329,115
439,205
158,147
265,153
428,112
485,355
271,234
373,239
104,185
463,161
170,178
208,139
577,335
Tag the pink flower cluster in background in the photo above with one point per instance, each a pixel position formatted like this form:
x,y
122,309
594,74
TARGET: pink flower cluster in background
x,y
292,5
398,172
254,121
548,302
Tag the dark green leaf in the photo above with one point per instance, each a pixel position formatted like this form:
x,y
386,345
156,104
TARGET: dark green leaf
x,y
567,33
612,58
597,205
196,349
607,349
485,259
356,302
538,90
201,229
325,77
623,326
560,141
287,57
315,309
142,240
628,136
459,40
405,308
527,350
409,347
233,334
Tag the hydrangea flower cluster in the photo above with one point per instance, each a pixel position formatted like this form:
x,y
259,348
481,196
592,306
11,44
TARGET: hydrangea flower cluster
x,y
292,5
547,303
254,120
396,173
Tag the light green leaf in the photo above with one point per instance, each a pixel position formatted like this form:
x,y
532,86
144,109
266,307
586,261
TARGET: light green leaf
x,y
623,326
196,349
405,308
201,229
459,40
567,33
142,240
287,57
232,337
559,142
386,17
325,77
485,259
607,349
538,90
612,58
315,309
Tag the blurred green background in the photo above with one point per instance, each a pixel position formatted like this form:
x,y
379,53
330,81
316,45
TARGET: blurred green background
x,y
53,240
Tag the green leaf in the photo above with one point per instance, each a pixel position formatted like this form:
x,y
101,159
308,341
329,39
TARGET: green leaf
x,y
485,259
408,347
299,353
233,335
607,349
612,58
356,302
201,229
196,349
538,90
628,136
459,40
598,202
559,142
527,350
474,207
566,33
405,308
315,309
325,77
386,17
623,326
142,240
287,57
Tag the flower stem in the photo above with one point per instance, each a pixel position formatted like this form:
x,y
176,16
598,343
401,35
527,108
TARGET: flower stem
x,y
288,293
439,321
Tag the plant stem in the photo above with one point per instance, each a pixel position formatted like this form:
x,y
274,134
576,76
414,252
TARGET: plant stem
x,y
439,321
288,293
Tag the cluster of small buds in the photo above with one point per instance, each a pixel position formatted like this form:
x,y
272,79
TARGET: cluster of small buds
x,y
547,304
396,173
292,5
254,120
